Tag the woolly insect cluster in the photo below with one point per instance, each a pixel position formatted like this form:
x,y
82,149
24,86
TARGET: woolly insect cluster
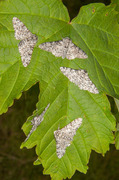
x,y
35,122
80,78
27,43
64,48
65,135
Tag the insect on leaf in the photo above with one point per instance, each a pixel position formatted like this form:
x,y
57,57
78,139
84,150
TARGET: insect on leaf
x,y
76,64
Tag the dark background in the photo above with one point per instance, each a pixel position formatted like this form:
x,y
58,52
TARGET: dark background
x,y
17,164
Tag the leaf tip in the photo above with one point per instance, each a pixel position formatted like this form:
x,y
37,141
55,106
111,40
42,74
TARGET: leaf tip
x,y
37,162
22,145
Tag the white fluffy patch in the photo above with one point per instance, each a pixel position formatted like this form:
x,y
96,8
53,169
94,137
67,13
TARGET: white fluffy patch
x,y
65,135
80,78
27,43
63,48
35,122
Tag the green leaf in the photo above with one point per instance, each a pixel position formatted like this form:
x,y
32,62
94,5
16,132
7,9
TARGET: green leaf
x,y
117,137
117,132
88,31
94,133
115,2
117,103
37,16
95,30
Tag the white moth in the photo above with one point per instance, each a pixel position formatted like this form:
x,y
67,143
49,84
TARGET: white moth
x,y
65,135
80,78
35,122
27,43
63,48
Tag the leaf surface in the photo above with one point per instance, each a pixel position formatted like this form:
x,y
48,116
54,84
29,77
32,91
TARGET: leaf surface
x,y
37,17
117,137
92,31
69,104
97,30
117,130
115,2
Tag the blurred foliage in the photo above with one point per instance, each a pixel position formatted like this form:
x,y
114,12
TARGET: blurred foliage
x,y
18,164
